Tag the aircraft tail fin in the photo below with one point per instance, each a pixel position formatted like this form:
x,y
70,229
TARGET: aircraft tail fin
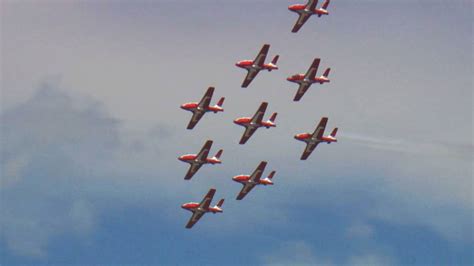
x,y
221,102
275,59
273,117
270,176
219,204
218,154
326,73
333,133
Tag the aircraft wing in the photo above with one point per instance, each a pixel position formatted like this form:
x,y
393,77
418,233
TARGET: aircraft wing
x,y
309,149
258,172
206,201
194,218
319,131
301,91
311,5
260,59
192,170
245,190
206,99
251,74
247,134
204,152
197,115
258,116
313,69
303,17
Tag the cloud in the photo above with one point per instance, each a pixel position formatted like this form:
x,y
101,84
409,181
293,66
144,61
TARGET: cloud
x,y
293,253
51,149
370,260
302,253
421,147
360,230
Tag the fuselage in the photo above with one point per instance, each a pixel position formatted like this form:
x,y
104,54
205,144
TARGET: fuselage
x,y
248,64
244,179
192,158
301,8
194,106
247,121
307,137
194,207
300,78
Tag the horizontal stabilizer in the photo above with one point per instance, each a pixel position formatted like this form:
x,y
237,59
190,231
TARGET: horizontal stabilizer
x,y
218,154
219,204
270,176
275,59
333,133
325,4
221,102
326,73
273,117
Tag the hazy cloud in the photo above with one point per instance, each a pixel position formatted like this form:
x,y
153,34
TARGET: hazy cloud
x,y
50,149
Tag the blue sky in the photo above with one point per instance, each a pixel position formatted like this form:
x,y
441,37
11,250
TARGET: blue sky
x,y
91,129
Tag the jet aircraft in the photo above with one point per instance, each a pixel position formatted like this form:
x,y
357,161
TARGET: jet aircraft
x,y
198,160
251,124
250,181
305,80
199,109
199,209
312,140
253,67
305,11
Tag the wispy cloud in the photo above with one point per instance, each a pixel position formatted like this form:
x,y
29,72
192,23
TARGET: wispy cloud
x,y
424,147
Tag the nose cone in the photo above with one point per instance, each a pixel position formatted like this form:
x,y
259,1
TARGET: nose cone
x,y
183,206
182,106
236,121
235,178
238,64
289,78
180,158
296,136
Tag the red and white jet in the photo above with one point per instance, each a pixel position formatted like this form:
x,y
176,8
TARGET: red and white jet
x,y
312,140
251,124
199,109
250,181
306,11
253,67
305,80
198,160
199,209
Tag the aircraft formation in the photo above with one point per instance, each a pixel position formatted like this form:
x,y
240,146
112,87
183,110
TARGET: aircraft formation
x,y
251,124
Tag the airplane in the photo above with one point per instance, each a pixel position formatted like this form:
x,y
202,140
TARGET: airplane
x,y
306,11
305,80
251,124
253,67
199,209
312,140
199,109
198,160
250,181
